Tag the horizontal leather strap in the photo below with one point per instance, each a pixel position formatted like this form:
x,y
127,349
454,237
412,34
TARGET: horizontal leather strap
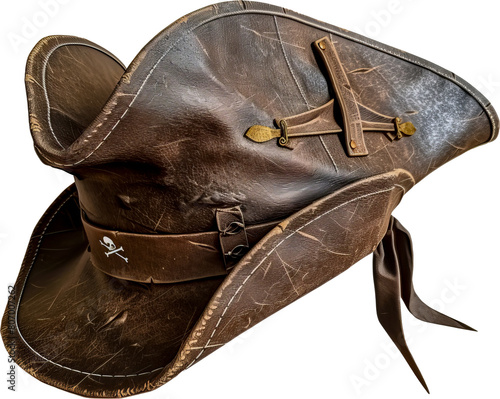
x,y
161,258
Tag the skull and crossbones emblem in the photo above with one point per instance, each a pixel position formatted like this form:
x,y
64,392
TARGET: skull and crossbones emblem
x,y
111,247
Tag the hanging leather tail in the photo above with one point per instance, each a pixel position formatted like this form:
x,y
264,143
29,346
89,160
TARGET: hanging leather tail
x,y
393,273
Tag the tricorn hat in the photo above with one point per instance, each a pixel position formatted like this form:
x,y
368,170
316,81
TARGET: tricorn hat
x,y
248,155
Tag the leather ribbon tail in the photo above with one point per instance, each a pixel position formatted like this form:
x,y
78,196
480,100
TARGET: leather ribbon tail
x,y
393,272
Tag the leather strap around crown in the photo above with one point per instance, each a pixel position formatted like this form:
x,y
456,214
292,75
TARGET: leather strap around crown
x,y
162,258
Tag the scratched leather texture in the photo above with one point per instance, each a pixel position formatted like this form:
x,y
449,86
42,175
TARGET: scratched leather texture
x,y
158,148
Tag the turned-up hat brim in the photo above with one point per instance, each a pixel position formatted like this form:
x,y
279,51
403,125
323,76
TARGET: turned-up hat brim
x,y
81,330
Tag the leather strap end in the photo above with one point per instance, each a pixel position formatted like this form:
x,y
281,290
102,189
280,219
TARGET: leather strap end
x,y
393,274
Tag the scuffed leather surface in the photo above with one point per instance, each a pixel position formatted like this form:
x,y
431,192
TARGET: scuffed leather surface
x,y
168,149
93,330
333,233
211,104
191,95
68,81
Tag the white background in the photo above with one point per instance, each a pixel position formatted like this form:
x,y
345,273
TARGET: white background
x,y
315,347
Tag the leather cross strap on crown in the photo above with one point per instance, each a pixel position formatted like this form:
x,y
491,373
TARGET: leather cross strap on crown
x,y
357,118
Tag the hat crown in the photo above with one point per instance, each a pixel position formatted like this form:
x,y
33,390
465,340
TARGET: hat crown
x,y
159,147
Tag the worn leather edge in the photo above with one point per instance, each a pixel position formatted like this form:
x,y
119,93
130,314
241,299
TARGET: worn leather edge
x,y
26,357
38,102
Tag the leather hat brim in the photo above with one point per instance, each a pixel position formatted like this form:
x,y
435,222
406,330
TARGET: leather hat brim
x,y
74,327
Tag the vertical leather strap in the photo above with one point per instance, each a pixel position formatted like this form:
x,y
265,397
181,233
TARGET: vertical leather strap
x,y
353,125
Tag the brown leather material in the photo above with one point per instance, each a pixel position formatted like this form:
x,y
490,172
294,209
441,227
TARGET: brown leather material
x,y
316,121
94,334
233,235
353,128
164,258
393,272
74,96
336,230
159,155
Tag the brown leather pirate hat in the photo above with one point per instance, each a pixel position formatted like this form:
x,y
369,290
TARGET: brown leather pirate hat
x,y
223,170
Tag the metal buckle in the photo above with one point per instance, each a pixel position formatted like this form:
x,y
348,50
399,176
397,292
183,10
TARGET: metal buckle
x,y
232,235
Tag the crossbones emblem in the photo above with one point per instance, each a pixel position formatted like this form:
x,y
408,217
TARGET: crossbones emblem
x,y
111,247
